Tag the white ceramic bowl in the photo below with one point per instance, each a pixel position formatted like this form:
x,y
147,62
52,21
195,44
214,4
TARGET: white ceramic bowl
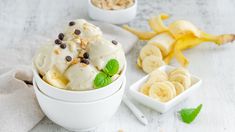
x,y
78,96
80,116
160,106
112,16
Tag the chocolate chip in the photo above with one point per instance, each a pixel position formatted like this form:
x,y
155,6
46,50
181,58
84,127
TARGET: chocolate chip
x,y
63,46
61,36
86,55
85,61
71,23
114,42
57,41
68,58
77,31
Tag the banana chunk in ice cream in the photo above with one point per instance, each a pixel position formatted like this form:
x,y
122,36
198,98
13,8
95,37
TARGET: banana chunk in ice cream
x,y
102,50
81,76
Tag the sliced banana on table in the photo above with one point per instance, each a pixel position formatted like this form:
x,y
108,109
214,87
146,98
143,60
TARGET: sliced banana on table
x,y
157,76
148,50
55,78
151,63
162,91
179,88
183,79
163,41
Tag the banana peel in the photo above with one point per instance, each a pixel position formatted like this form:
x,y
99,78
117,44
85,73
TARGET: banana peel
x,y
188,42
142,35
156,23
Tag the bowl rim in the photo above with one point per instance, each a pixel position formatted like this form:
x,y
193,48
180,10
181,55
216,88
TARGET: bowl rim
x,y
119,10
36,73
37,90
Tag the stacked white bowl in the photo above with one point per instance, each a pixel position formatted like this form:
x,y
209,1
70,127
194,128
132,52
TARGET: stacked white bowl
x,y
79,110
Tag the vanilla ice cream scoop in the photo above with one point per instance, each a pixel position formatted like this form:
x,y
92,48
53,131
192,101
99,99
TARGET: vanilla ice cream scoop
x,y
55,56
83,29
81,76
102,50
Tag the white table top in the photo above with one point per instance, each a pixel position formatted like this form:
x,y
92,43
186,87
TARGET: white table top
x,y
22,20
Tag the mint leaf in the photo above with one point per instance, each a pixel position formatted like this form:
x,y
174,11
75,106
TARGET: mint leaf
x,y
102,80
189,114
111,68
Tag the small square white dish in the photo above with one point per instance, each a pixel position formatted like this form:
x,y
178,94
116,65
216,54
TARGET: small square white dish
x,y
162,106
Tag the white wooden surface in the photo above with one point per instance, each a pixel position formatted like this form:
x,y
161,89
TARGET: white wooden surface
x,y
31,22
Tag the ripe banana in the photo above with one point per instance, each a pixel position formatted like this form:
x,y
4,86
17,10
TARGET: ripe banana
x,y
179,88
151,63
162,91
181,28
163,41
55,78
184,34
157,76
148,50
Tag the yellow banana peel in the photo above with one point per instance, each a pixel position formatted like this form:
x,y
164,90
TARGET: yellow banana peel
x,y
142,35
156,23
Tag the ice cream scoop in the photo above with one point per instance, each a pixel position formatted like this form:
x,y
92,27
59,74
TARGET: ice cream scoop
x,y
83,29
54,55
102,50
81,76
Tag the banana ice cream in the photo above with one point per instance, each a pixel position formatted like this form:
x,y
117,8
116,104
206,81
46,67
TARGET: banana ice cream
x,y
80,58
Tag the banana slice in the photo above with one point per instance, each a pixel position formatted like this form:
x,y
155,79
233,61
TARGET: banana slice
x,y
161,91
148,50
183,79
151,63
171,86
145,89
179,88
163,41
139,62
181,28
55,78
157,76
179,70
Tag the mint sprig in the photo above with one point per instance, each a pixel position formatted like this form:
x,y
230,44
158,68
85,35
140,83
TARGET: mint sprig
x,y
111,68
102,80
189,114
